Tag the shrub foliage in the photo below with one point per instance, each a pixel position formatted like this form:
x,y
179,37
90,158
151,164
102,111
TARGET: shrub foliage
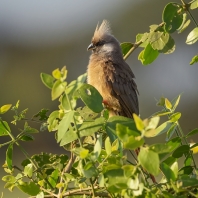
x,y
107,156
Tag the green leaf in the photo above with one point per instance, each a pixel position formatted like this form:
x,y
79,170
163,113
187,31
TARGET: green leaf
x,y
154,36
174,168
161,102
138,122
115,145
184,24
9,154
3,130
84,153
163,128
188,160
194,4
175,103
57,89
101,181
194,60
5,108
76,84
148,55
28,170
172,18
187,170
192,37
143,38
29,129
174,143
171,131
91,97
168,173
183,149
56,74
168,104
98,146
187,181
53,121
112,122
108,146
89,170
169,47
88,128
9,178
128,170
64,124
162,42
131,139
47,80
133,142
116,185
153,122
42,115
170,160
193,132
161,113
149,160
160,148
53,178
29,188
27,137
125,48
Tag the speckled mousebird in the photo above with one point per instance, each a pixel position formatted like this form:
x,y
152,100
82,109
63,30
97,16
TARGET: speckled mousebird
x,y
110,74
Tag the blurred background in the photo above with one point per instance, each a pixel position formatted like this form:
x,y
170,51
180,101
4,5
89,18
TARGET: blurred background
x,y
40,36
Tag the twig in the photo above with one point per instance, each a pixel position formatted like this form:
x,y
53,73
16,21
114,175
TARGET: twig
x,y
49,192
86,191
66,170
186,6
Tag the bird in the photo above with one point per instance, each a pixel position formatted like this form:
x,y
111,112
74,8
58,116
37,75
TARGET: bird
x,y
108,72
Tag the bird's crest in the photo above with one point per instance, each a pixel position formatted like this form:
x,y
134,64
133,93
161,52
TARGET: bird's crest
x,y
102,30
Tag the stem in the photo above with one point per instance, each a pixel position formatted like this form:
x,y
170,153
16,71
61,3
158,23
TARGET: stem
x,y
135,45
186,6
195,22
4,144
133,156
183,136
92,188
86,192
49,192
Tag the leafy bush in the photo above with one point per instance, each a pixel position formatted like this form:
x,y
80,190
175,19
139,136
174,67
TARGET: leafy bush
x,y
107,156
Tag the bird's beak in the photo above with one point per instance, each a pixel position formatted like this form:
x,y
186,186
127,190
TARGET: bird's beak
x,y
90,47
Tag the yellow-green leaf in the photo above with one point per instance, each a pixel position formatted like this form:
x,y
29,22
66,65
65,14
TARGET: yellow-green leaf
x,y
168,104
5,108
138,122
56,74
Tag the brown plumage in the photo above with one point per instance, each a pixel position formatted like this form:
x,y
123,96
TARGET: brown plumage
x,y
110,74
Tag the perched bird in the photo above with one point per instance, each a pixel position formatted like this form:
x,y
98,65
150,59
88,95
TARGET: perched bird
x,y
110,74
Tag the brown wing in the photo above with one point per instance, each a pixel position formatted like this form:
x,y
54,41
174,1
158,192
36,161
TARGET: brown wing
x,y
124,89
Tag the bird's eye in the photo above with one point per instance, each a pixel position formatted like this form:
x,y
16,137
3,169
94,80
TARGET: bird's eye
x,y
99,43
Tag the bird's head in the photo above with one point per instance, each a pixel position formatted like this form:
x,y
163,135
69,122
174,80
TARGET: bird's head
x,y
103,41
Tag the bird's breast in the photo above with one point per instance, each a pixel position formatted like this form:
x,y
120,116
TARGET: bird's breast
x,y
100,78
